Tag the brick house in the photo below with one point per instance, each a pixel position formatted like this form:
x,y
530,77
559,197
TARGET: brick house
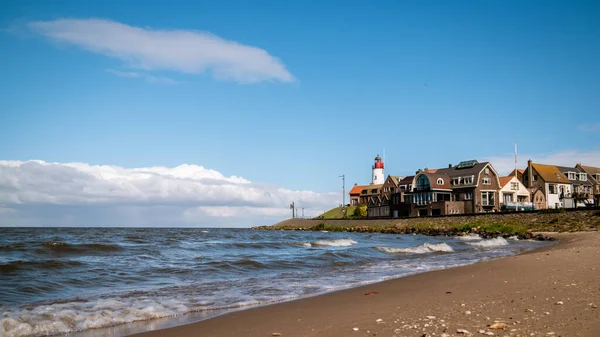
x,y
551,182
593,176
469,187
582,194
355,194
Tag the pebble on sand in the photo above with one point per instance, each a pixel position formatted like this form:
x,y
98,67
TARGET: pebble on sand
x,y
355,329
560,303
276,334
498,326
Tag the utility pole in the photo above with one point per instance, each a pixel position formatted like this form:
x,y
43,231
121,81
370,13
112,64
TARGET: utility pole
x,y
343,176
292,206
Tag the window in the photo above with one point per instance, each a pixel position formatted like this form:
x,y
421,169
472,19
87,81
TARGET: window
x,y
487,198
385,189
582,176
455,181
514,186
552,189
486,181
423,183
571,175
440,181
535,177
469,196
469,180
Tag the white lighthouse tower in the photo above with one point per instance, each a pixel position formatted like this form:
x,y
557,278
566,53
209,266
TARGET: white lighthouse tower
x,y
378,177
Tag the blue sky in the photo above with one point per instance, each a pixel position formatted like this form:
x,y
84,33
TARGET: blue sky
x,y
332,84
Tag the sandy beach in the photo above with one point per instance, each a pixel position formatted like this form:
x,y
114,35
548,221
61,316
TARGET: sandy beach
x,y
552,291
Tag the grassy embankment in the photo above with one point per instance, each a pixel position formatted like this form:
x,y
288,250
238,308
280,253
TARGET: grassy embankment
x,y
338,213
523,225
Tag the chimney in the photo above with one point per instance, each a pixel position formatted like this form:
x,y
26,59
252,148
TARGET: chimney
x,y
449,165
529,174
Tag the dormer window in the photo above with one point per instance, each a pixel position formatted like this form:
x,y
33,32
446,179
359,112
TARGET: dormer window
x,y
582,176
440,181
571,175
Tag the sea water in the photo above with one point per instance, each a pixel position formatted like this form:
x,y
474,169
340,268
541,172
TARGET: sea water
x,y
65,280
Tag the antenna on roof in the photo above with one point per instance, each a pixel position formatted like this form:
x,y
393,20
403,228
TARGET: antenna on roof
x,y
384,154
516,171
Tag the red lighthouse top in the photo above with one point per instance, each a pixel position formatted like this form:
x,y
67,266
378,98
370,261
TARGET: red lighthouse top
x,y
378,162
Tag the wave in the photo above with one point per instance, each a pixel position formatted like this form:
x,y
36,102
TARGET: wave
x,y
62,247
43,264
469,237
329,243
421,249
497,242
237,265
68,317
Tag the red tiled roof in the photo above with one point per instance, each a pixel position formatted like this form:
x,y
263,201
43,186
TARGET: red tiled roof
x,y
505,180
357,189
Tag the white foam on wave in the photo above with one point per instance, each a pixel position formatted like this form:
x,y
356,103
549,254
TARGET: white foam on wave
x,y
421,249
469,237
514,238
60,318
333,243
496,242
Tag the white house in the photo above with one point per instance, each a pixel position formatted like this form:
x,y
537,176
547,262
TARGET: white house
x,y
513,194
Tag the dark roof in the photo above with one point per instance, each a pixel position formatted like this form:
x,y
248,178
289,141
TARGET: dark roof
x,y
433,178
407,180
591,169
565,169
455,171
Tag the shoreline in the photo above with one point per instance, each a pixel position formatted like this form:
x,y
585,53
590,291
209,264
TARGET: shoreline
x,y
516,290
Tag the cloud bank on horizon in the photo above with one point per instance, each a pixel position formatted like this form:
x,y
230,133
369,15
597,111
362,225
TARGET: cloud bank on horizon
x,y
183,51
38,193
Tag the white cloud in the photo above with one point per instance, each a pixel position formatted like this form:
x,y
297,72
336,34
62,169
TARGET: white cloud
x,y
42,193
505,164
185,51
589,127
147,77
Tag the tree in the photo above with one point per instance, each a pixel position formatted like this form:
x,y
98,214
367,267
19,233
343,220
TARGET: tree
x,y
360,211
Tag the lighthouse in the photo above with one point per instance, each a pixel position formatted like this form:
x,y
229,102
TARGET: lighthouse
x,y
377,172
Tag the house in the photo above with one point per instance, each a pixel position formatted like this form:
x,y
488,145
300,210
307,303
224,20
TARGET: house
x,y
582,193
593,176
355,194
475,183
379,206
391,184
514,195
405,185
368,192
518,173
469,187
429,195
548,186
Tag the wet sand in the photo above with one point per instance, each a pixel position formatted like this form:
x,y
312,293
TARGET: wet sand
x,y
552,291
